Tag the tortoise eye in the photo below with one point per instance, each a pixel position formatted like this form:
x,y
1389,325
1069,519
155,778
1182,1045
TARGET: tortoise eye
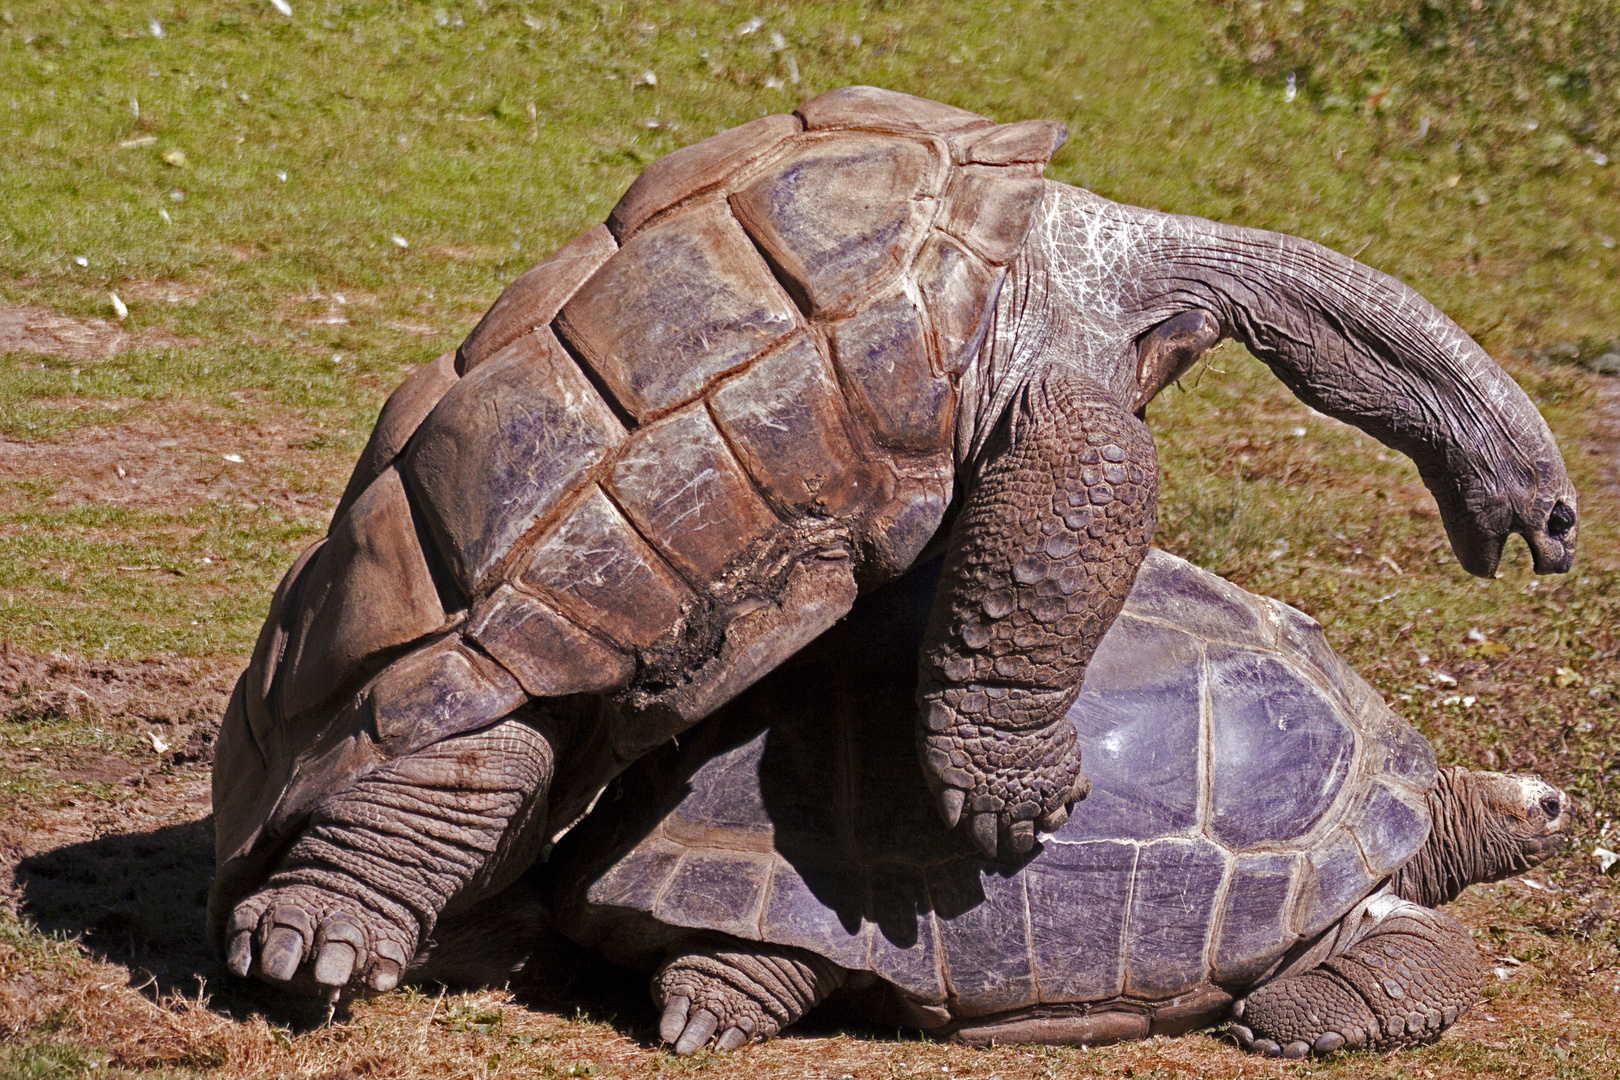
x,y
1561,520
1550,806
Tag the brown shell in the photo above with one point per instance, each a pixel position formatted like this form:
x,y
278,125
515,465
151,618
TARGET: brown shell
x,y
664,454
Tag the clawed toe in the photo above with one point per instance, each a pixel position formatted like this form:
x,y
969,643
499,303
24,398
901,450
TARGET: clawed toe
x,y
699,1029
279,938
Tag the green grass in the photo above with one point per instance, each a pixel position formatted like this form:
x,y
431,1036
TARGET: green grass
x,y
414,119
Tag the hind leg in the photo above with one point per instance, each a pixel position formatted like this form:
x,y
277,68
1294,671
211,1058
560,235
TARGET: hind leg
x,y
1403,981
360,890
741,990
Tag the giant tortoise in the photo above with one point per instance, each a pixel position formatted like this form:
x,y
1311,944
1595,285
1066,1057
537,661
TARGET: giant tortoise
x,y
798,355
1261,829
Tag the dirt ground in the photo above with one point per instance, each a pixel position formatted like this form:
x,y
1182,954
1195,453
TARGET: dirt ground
x,y
106,846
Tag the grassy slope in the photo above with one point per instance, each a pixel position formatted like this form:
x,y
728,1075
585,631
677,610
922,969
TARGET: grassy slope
x,y
415,120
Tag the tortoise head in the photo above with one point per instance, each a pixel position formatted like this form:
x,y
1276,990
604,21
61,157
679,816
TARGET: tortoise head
x,y
1486,826
1349,341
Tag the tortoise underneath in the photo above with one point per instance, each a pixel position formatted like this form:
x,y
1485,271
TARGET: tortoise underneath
x,y
798,358
1264,840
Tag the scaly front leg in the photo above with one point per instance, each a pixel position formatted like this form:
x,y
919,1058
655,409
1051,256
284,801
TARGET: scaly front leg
x,y
359,891
1038,567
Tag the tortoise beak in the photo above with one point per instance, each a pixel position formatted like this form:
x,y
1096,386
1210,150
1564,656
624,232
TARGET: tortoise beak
x,y
1552,540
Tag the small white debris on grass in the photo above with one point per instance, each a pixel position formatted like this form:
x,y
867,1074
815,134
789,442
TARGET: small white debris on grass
x,y
1476,634
154,27
1442,677
1605,858
135,142
159,743
773,83
750,26
281,174
121,310
236,458
80,260
282,6
399,241
646,78
1292,90
164,214
175,157
337,358
1299,433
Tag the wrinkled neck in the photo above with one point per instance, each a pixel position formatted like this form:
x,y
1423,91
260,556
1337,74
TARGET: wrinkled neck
x,y
1468,843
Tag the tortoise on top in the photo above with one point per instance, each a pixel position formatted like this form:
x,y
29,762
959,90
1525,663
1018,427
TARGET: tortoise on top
x,y
1263,836
673,452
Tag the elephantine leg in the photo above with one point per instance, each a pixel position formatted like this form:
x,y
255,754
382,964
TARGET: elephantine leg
x,y
1038,566
360,890
1405,981
744,991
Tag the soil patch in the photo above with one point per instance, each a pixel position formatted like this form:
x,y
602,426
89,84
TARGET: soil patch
x,y
28,328
174,456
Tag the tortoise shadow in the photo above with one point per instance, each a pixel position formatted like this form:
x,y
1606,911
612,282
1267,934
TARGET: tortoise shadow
x,y
140,899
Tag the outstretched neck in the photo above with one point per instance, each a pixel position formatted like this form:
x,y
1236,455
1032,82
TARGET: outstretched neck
x,y
1465,846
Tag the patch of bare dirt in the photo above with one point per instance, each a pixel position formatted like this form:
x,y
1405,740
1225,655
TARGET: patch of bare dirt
x,y
175,456
168,292
185,694
28,328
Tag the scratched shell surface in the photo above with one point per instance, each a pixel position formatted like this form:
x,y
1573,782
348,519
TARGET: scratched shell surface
x,y
1247,790
650,428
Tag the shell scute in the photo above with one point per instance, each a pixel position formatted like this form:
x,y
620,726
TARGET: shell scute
x,y
870,108
1201,603
990,211
635,882
401,415
1281,749
883,355
1389,827
788,423
535,297
684,301
688,495
602,574
825,917
437,691
1172,910
1024,142
983,935
695,169
903,946
722,891
1335,878
547,653
841,217
960,292
1254,927
1139,716
1080,958
529,426
369,591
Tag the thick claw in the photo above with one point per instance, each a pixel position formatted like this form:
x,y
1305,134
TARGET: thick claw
x,y
950,805
673,1021
334,964
731,1038
1296,1049
1022,835
384,976
1328,1043
1243,1035
984,833
283,952
1051,823
698,1031
240,960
